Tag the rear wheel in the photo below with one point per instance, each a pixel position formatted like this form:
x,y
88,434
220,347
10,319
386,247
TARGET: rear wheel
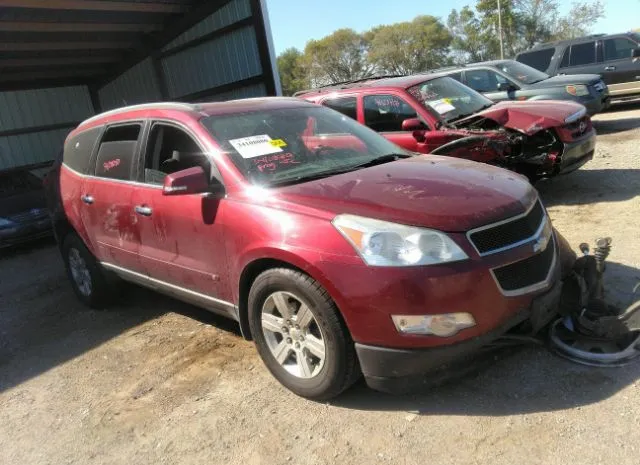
x,y
300,336
87,277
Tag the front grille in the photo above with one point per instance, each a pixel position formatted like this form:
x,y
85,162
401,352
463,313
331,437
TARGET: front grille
x,y
579,128
507,234
527,272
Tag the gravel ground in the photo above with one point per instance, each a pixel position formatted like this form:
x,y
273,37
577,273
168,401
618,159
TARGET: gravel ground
x,y
157,381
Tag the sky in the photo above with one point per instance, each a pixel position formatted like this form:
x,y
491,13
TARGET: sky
x,y
294,22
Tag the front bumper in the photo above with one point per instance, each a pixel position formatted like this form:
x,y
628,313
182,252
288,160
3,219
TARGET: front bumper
x,y
402,370
575,154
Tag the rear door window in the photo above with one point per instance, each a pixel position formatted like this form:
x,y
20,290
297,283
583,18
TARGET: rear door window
x,y
583,54
346,105
385,113
539,59
618,49
117,151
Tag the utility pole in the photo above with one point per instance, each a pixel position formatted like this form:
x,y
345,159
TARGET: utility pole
x,y
500,31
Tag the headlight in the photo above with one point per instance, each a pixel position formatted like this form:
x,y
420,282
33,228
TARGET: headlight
x,y
578,90
443,325
5,223
381,243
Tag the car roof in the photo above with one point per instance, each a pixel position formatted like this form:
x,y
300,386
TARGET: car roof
x,y
197,110
403,82
573,41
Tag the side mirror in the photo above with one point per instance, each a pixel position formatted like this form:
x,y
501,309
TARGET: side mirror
x,y
636,53
190,181
506,87
413,124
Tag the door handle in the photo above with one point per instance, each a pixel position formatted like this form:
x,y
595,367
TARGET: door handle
x,y
87,199
143,210
609,68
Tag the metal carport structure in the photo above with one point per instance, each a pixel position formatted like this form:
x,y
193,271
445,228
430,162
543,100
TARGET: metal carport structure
x,y
64,60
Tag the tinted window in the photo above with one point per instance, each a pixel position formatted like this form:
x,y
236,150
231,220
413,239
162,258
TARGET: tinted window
x,y
169,150
583,54
78,150
617,49
386,112
346,106
456,76
539,59
484,80
117,151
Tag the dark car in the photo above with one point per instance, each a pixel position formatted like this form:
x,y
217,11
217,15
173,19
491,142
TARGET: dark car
x,y
615,57
510,80
324,240
23,210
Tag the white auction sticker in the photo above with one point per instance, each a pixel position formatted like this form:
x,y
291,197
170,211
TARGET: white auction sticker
x,y
442,106
255,146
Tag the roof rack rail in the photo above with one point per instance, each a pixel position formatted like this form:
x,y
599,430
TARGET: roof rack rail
x,y
346,84
143,106
556,42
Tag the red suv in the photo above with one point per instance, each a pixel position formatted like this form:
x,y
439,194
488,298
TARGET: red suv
x,y
338,253
433,113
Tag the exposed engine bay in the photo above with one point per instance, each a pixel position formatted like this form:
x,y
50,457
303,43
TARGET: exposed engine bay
x,y
535,155
588,330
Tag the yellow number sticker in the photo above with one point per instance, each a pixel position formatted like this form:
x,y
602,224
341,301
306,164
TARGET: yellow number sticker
x,y
278,143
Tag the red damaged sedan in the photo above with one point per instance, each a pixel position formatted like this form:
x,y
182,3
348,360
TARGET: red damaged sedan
x,y
433,113
337,252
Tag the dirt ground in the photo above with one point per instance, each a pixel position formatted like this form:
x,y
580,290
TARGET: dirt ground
x,y
157,381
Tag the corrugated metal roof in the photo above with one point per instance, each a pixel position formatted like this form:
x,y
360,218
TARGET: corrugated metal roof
x,y
231,58
137,85
231,13
256,90
42,107
27,149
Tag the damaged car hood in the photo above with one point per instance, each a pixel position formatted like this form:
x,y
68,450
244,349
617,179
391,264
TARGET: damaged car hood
x,y
530,117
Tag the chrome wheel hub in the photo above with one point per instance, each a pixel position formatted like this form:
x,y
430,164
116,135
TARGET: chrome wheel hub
x,y
80,272
293,334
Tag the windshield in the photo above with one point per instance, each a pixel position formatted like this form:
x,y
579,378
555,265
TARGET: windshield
x,y
521,72
449,99
292,145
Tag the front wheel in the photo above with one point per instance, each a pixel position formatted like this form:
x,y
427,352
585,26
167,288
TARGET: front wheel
x,y
300,336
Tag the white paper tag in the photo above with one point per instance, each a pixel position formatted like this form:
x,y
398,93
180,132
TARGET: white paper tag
x,y
255,146
441,106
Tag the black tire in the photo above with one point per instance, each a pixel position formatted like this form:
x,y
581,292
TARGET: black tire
x,y
340,368
101,289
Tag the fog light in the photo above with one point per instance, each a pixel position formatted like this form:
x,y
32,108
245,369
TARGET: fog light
x,y
444,325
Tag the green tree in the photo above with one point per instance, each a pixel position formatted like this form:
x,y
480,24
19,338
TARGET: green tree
x,y
341,56
468,38
579,20
293,75
409,47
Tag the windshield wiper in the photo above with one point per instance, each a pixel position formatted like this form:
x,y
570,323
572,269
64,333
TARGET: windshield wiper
x,y
389,157
325,174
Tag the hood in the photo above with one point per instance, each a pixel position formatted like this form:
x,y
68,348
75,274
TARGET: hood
x,y
530,117
443,193
559,81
